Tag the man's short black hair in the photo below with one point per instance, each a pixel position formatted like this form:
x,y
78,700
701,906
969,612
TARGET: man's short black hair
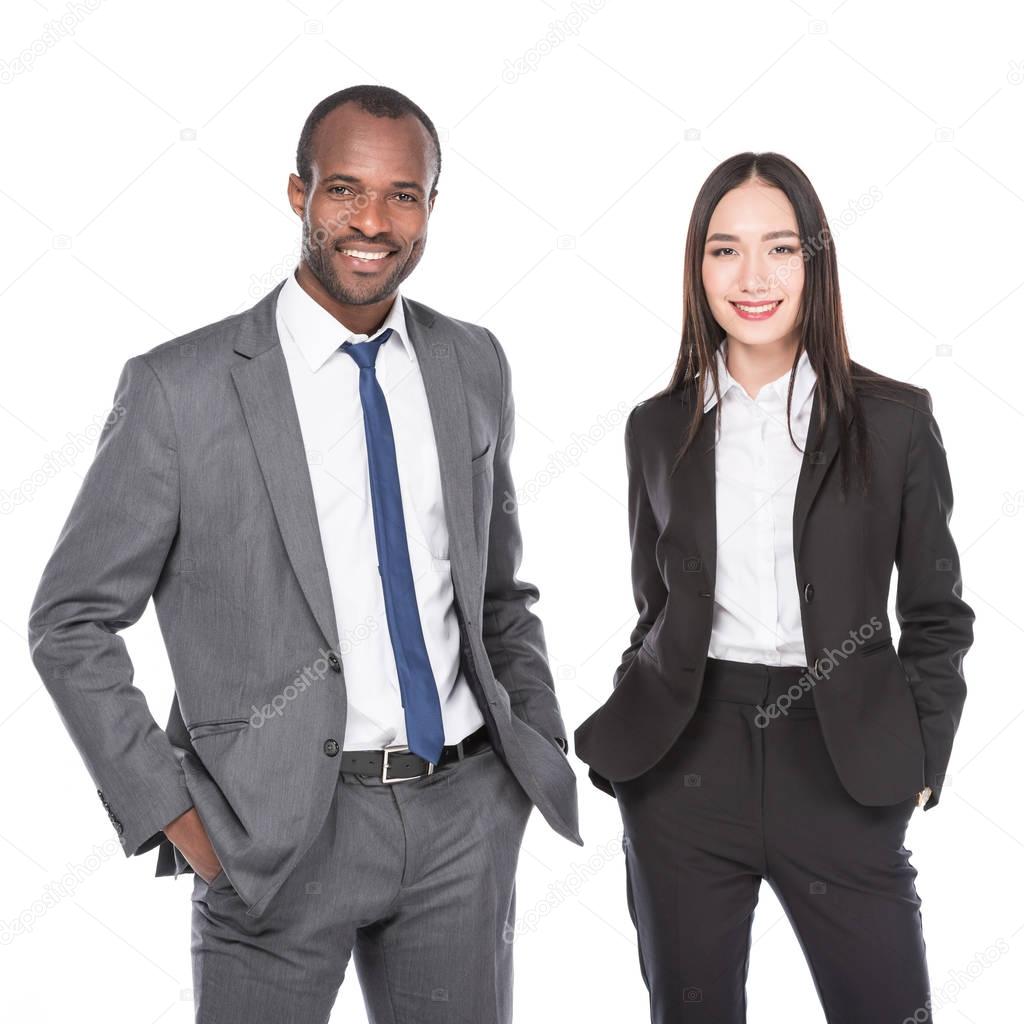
x,y
378,100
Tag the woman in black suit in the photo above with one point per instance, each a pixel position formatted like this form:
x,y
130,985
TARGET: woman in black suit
x,y
762,725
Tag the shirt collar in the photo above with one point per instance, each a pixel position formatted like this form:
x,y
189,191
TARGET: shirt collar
x,y
802,386
318,334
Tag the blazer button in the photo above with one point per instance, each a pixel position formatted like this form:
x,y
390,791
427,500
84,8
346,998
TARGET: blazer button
x,y
334,661
809,592
331,748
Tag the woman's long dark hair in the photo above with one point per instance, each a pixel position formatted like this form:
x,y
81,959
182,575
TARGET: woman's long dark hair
x,y
820,322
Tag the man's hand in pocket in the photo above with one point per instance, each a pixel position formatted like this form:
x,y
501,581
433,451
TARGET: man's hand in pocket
x,y
188,835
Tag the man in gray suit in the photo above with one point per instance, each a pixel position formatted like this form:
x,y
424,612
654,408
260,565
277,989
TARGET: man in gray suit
x,y
316,492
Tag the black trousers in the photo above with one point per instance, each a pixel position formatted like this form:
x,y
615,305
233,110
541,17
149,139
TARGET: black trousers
x,y
748,792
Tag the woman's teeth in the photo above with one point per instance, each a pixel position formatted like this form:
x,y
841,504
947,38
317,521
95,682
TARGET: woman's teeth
x,y
757,309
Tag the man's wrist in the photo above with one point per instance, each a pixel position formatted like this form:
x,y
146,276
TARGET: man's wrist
x,y
180,823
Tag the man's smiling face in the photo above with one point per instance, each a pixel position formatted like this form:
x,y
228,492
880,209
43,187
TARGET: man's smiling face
x,y
366,207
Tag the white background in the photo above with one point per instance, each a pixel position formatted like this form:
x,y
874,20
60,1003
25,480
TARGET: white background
x,y
142,194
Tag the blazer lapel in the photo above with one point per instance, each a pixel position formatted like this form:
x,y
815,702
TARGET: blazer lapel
x,y
265,393
693,493
819,451
438,358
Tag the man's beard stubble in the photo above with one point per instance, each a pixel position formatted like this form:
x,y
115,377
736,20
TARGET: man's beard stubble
x,y
320,262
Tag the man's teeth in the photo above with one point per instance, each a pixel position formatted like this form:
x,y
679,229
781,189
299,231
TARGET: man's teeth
x,y
756,309
359,254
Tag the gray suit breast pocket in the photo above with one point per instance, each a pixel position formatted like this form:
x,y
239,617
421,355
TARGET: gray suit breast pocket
x,y
482,471
482,462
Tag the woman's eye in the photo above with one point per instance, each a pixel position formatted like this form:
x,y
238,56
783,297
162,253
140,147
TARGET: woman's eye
x,y
718,252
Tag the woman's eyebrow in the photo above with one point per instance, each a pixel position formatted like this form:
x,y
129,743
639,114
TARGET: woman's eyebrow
x,y
720,236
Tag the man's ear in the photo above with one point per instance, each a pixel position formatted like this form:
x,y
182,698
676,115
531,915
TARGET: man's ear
x,y
297,193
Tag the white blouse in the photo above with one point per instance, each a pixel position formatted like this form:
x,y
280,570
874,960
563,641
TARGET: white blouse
x,y
757,599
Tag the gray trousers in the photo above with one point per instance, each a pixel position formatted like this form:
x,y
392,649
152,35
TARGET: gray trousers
x,y
416,877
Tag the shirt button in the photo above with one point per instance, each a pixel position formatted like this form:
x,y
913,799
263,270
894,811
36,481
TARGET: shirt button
x,y
331,748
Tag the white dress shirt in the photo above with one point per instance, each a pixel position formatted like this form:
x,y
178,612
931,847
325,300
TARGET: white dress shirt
x,y
757,598
325,383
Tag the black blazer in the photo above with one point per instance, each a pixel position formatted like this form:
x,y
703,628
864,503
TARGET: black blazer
x,y
888,716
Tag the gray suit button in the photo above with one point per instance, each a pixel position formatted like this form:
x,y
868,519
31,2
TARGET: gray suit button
x,y
331,748
334,661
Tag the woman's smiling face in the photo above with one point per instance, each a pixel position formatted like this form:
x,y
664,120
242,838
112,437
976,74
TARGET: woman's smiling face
x,y
753,268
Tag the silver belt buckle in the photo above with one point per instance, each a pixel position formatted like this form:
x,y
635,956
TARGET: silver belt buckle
x,y
398,748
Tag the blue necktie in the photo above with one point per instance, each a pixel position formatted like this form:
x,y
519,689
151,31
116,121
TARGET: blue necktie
x,y
423,724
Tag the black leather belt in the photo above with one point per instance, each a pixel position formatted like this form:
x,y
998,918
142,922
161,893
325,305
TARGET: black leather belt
x,y
398,764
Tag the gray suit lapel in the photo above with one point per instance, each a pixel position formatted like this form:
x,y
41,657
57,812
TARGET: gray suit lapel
x,y
265,392
437,352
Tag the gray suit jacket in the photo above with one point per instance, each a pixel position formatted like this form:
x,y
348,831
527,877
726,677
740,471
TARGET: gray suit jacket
x,y
199,495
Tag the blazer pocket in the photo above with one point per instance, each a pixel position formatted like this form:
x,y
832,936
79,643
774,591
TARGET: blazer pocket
x,y
651,636
874,646
516,699
647,651
210,728
220,881
482,461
